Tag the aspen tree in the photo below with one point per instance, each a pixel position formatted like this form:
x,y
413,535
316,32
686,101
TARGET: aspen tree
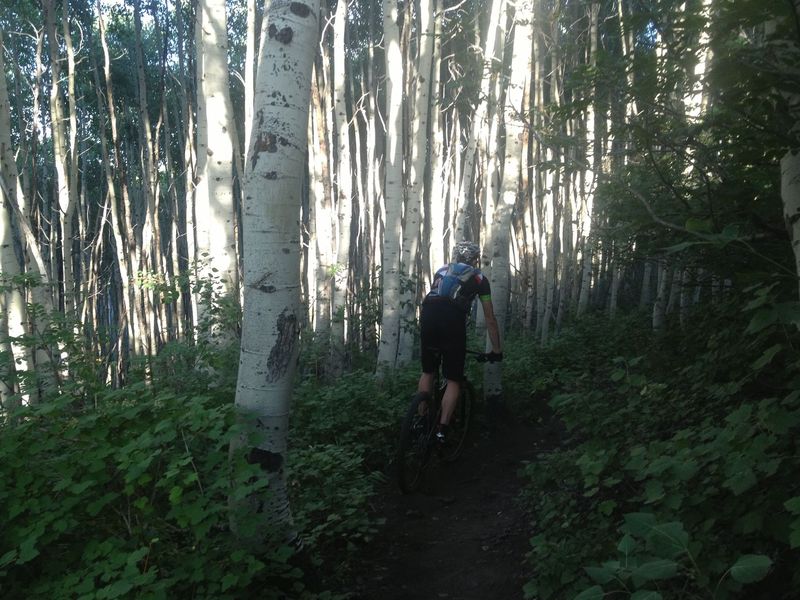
x,y
21,320
11,300
418,161
660,304
790,193
393,193
272,233
126,251
593,156
539,76
489,137
462,227
66,189
501,225
323,209
344,189
552,191
790,161
437,204
214,204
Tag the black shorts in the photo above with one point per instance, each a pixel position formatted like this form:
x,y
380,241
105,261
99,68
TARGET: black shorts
x,y
443,335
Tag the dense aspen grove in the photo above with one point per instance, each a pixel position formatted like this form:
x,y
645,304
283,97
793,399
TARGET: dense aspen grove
x,y
212,208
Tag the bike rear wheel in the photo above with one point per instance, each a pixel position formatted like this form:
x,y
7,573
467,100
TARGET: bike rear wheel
x,y
414,449
459,424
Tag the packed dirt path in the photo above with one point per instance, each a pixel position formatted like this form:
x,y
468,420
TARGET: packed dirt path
x,y
464,534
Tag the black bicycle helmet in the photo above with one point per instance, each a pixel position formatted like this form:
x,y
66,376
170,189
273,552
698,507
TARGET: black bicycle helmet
x,y
466,252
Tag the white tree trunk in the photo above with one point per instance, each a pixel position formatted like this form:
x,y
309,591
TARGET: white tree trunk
x,y
790,193
65,202
272,234
501,225
437,206
660,304
416,173
463,227
12,305
592,155
344,195
214,212
393,195
647,275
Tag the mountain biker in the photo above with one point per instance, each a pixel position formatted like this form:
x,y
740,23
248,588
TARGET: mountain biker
x,y
443,325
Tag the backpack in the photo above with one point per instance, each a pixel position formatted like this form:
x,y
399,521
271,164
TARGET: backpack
x,y
450,284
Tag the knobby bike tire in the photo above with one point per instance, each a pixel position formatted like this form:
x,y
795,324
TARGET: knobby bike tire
x,y
414,449
459,424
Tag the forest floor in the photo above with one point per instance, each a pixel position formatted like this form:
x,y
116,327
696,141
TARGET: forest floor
x,y
464,535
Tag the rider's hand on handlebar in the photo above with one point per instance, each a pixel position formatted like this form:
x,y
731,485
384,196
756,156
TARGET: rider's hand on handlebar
x,y
494,357
489,357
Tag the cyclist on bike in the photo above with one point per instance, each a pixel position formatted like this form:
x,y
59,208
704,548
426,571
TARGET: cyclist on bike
x,y
443,324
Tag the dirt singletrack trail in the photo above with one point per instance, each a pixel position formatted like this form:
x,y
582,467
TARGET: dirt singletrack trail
x,y
463,535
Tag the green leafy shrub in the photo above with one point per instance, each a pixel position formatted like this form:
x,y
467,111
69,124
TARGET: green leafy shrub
x,y
691,434
127,499
343,436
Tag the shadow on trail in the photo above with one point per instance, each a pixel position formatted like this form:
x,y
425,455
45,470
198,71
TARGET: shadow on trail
x,y
463,535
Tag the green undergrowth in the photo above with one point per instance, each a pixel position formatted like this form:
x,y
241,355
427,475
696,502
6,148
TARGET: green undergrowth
x,y
679,474
343,435
128,498
126,493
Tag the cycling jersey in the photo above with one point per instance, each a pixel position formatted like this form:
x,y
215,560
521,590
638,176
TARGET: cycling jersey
x,y
459,283
443,331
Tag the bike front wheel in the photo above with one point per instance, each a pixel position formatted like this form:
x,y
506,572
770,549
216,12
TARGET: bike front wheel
x,y
414,449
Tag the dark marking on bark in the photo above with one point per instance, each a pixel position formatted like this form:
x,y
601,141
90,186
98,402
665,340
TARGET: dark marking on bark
x,y
285,250
270,462
284,36
301,10
282,352
264,142
263,286
272,175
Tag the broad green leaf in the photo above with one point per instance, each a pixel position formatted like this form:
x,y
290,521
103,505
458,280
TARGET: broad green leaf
x,y
667,540
653,491
593,593
751,522
626,545
8,558
767,357
607,507
794,538
639,523
654,570
117,589
27,550
751,568
530,590
741,481
686,469
600,574
645,595
793,505
229,581
761,320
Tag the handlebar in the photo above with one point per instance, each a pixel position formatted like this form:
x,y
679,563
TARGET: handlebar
x,y
483,357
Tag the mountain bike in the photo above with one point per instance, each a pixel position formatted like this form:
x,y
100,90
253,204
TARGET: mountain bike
x,y
418,443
